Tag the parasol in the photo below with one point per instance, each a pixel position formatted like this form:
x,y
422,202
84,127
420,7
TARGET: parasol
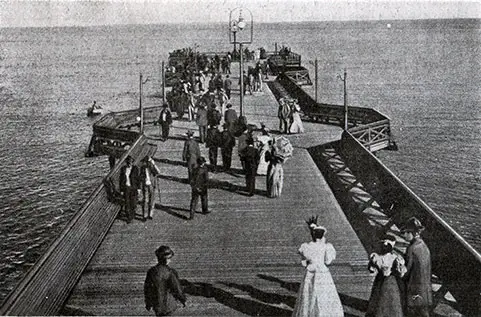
x,y
282,148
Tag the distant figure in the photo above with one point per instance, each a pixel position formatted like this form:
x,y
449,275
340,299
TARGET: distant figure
x,y
228,86
385,297
275,174
94,110
317,294
264,144
202,122
199,184
148,177
213,142
191,153
230,118
111,161
251,159
283,114
129,184
227,145
296,125
419,297
165,120
162,286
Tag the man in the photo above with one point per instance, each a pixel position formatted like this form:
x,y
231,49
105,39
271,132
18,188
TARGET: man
x,y
245,83
419,296
199,184
230,118
251,159
227,86
148,174
213,115
242,145
165,120
227,145
202,122
283,114
191,153
129,184
212,143
162,286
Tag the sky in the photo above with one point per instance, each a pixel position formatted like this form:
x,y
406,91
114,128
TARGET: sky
x,y
34,13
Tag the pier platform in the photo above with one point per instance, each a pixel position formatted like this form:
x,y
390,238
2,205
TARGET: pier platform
x,y
241,259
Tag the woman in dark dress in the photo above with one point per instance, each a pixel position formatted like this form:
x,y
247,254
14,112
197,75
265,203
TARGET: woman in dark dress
x,y
385,297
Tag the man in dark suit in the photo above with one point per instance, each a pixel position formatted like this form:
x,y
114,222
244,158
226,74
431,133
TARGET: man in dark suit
x,y
199,184
251,160
162,287
227,145
213,142
165,120
190,153
202,122
227,86
230,118
419,298
213,115
129,183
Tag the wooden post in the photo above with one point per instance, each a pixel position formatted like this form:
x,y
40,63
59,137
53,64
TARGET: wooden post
x,y
345,100
141,110
275,48
241,68
163,83
315,73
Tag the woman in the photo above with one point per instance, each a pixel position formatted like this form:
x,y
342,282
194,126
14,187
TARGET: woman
x,y
275,174
264,140
385,295
317,295
296,125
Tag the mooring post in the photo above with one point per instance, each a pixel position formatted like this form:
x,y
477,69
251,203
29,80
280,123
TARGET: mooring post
x,y
315,72
163,83
345,99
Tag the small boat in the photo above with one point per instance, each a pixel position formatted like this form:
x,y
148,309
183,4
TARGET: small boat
x,y
91,112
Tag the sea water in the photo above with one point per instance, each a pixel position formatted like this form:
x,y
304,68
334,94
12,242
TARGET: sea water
x,y
423,74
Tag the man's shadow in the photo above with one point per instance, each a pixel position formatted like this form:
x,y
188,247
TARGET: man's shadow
x,y
243,305
241,190
171,210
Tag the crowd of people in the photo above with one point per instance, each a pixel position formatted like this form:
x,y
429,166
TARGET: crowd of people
x,y
402,286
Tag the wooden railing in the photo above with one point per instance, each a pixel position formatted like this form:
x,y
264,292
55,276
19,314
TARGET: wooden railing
x,y
454,261
117,131
369,126
49,282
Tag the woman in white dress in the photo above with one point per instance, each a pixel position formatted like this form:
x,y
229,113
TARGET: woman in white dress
x,y
264,142
296,125
317,295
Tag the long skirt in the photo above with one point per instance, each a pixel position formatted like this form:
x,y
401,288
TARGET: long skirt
x,y
275,180
318,297
296,126
385,297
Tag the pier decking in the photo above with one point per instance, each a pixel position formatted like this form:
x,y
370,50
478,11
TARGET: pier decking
x,y
241,259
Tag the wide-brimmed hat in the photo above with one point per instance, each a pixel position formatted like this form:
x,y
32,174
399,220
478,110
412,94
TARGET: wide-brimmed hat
x,y
201,160
388,239
164,252
229,105
412,225
190,133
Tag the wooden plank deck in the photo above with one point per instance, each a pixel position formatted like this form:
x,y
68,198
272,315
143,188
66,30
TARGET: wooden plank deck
x,y
242,258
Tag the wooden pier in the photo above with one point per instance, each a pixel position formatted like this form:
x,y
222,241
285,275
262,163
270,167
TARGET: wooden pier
x,y
242,258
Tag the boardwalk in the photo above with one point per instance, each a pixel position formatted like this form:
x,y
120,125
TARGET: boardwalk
x,y
242,258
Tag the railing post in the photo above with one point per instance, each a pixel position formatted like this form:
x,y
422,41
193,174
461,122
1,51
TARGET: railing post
x,y
163,83
315,73
345,100
141,110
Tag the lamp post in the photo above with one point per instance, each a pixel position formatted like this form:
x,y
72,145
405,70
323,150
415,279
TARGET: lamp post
x,y
141,108
344,80
241,30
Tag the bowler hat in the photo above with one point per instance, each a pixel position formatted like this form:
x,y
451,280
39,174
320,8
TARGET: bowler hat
x,y
164,252
412,225
201,160
229,105
190,132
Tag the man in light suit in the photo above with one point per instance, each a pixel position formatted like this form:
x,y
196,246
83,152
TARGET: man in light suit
x,y
148,179
162,287
129,184
419,298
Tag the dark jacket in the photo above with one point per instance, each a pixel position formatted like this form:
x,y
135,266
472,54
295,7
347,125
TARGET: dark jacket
x,y
418,276
168,116
191,152
134,178
227,84
162,289
251,158
213,117
230,116
213,138
227,140
200,179
153,172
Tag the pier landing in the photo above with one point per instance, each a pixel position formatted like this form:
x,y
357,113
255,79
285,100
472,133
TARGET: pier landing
x,y
241,259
